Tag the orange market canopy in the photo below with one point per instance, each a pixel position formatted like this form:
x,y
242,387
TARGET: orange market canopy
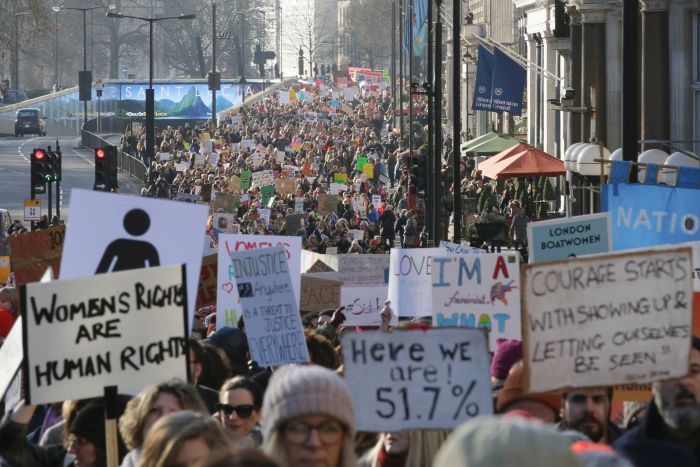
x,y
505,154
528,163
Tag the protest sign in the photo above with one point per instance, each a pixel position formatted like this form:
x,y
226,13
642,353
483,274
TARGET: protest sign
x,y
478,291
135,232
206,292
410,284
356,234
608,320
228,308
407,380
11,355
182,166
570,237
363,304
298,205
364,269
458,249
327,203
285,186
360,163
33,252
126,329
368,170
336,188
262,178
376,201
223,223
319,294
270,310
292,223
245,180
247,143
340,178
226,202
309,259
199,159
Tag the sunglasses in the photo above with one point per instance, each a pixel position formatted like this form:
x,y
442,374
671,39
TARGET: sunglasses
x,y
242,411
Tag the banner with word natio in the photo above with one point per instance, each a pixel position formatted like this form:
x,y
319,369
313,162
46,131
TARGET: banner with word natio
x,y
363,304
646,215
478,291
407,380
410,284
569,237
608,320
270,311
126,329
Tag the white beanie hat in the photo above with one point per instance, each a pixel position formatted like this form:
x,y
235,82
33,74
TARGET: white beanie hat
x,y
505,442
296,390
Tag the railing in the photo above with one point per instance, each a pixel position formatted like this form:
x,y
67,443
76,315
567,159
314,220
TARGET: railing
x,y
125,162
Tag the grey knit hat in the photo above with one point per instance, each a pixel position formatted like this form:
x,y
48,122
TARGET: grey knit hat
x,y
296,390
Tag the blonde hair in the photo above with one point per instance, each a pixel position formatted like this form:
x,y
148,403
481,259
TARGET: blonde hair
x,y
169,433
423,446
276,449
131,424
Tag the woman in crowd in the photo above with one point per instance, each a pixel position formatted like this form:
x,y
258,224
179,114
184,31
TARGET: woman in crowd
x,y
308,419
183,439
152,403
415,448
240,399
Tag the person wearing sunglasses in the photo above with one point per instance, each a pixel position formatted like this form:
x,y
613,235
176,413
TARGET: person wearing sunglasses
x,y
308,419
240,399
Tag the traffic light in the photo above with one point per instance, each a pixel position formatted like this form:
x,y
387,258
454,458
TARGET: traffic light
x,y
105,168
214,81
39,167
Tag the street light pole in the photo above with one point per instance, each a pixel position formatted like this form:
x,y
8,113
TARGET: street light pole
x,y
15,76
456,124
150,100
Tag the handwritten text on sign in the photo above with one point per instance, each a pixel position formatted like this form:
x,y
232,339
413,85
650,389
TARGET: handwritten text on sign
x,y
410,281
363,304
608,320
478,291
270,311
126,329
404,380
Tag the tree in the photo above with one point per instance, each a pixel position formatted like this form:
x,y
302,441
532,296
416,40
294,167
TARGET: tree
x,y
307,33
367,34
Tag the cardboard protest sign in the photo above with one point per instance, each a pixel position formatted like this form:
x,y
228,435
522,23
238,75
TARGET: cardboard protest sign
x,y
319,294
364,269
11,355
285,186
234,186
225,202
410,283
135,232
206,292
270,310
407,380
570,237
263,178
458,249
33,252
126,329
608,320
327,203
363,303
478,291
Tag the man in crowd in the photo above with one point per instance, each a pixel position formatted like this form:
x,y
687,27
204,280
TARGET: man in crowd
x,y
588,411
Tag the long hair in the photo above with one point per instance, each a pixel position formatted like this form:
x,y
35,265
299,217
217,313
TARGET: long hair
x,y
131,424
423,446
275,448
169,433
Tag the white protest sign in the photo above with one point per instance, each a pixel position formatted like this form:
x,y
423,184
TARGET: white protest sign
x,y
248,143
336,188
263,178
363,304
228,307
134,232
410,284
284,97
349,94
292,246
164,156
126,329
407,380
356,234
608,320
364,269
458,249
478,291
199,159
182,166
279,156
376,201
270,311
11,355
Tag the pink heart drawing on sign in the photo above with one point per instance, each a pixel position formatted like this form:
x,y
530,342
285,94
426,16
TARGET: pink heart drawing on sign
x,y
227,286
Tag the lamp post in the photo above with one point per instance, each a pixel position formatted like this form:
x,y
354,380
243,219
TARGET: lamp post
x,y
15,78
150,101
56,9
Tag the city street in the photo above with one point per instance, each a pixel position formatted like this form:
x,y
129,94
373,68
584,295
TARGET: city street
x,y
78,172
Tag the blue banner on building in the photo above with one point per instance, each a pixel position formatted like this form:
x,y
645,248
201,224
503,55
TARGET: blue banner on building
x,y
647,215
508,86
420,27
484,77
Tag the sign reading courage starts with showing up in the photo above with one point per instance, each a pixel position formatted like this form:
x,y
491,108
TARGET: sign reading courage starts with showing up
x,y
608,320
126,329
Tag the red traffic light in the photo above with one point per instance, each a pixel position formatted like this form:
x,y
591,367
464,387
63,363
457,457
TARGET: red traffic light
x,y
100,153
39,154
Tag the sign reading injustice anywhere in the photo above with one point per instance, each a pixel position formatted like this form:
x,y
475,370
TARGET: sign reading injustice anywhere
x,y
608,320
270,310
404,380
126,329
571,237
478,291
